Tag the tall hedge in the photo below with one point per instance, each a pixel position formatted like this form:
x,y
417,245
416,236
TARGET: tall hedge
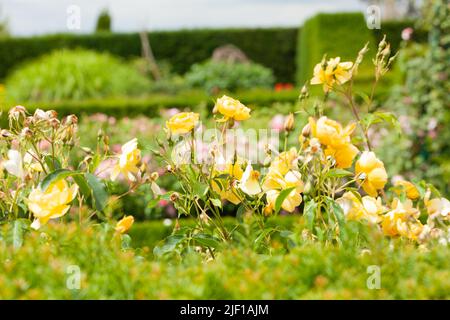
x,y
274,47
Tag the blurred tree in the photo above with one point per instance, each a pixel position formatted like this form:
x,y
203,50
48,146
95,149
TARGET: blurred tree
x,y
103,22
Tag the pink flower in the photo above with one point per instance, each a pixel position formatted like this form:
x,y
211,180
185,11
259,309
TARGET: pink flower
x,y
163,203
44,145
432,124
112,121
277,122
170,112
99,117
407,33
116,148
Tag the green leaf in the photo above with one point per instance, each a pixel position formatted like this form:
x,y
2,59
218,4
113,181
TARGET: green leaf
x,y
338,213
169,245
310,213
380,116
216,202
207,240
18,231
281,197
153,203
200,189
80,180
240,213
98,191
263,236
55,176
286,233
338,173
52,162
125,242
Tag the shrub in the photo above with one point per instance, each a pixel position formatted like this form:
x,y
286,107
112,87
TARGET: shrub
x,y
213,76
77,74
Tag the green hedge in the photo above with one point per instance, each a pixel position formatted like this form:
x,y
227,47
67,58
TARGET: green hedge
x,y
38,268
344,34
273,48
151,105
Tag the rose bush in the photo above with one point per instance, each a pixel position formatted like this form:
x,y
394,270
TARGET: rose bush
x,y
330,176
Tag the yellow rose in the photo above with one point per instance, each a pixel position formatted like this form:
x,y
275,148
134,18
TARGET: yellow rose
x,y
51,203
368,208
410,189
182,123
340,70
322,75
330,72
276,182
371,173
125,224
232,109
336,139
344,155
228,192
285,161
402,220
330,132
128,161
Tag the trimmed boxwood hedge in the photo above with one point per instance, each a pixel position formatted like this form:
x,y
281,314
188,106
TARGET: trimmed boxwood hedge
x,y
271,47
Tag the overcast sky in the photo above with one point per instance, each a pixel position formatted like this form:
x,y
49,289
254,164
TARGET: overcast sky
x,y
27,17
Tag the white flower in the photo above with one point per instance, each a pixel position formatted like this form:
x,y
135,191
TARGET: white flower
x,y
14,164
249,182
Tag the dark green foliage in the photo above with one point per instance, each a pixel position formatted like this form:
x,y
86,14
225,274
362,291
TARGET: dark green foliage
x,y
273,48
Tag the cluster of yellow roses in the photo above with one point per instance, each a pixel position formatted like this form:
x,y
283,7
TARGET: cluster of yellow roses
x,y
293,175
329,141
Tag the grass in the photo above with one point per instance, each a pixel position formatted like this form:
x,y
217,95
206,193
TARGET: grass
x,y
39,268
